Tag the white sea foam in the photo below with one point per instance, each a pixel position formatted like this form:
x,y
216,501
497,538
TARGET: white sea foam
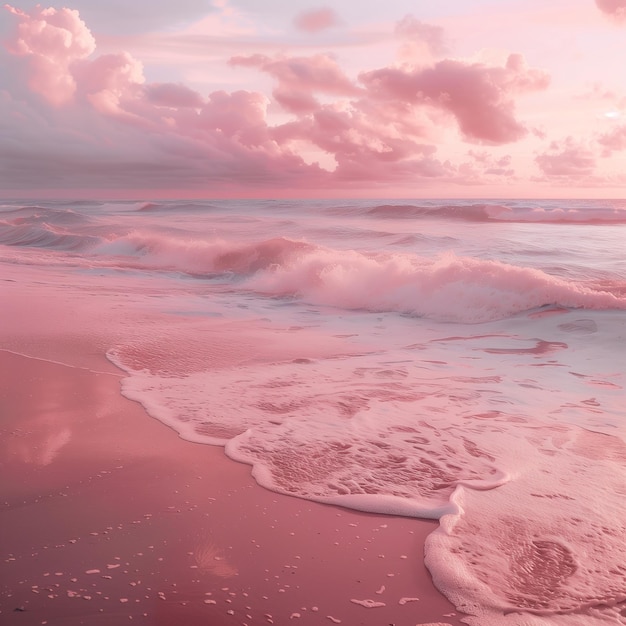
x,y
463,428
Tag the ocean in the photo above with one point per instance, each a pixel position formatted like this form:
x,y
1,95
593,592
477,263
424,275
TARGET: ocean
x,y
456,360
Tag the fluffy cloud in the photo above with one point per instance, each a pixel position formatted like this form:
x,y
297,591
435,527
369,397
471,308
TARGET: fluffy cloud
x,y
316,20
485,164
484,168
57,45
368,139
107,80
52,41
173,96
613,141
478,96
614,8
299,77
566,159
363,148
415,31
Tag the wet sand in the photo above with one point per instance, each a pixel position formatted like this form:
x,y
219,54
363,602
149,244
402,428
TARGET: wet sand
x,y
107,517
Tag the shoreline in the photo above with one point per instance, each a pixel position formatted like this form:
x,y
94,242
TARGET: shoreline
x,y
108,515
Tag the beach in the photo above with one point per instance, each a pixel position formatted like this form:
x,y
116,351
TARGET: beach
x,y
380,414
312,314
108,516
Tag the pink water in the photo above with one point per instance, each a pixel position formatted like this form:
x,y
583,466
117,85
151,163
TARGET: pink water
x,y
453,361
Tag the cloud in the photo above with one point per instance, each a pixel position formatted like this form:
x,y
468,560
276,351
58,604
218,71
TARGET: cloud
x,y
613,141
364,148
613,8
491,165
566,159
478,96
52,41
411,29
484,168
107,80
367,139
299,77
598,92
173,96
316,20
57,47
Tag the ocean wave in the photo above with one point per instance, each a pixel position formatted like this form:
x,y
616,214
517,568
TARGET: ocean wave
x,y
44,236
199,256
499,213
445,287
175,207
149,206
38,215
438,284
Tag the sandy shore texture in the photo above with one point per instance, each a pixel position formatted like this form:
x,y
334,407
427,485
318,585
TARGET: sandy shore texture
x,y
108,518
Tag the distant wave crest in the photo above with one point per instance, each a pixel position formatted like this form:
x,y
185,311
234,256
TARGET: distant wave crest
x,y
500,213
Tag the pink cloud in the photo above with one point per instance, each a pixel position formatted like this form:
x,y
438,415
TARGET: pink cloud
x,y
367,138
485,168
364,148
412,29
566,159
316,20
108,79
478,96
598,92
58,48
479,156
110,72
299,77
174,96
491,165
614,8
613,141
52,41
238,116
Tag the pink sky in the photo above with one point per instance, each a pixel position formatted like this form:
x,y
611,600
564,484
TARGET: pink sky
x,y
242,98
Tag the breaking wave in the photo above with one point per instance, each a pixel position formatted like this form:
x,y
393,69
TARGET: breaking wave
x,y
446,287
